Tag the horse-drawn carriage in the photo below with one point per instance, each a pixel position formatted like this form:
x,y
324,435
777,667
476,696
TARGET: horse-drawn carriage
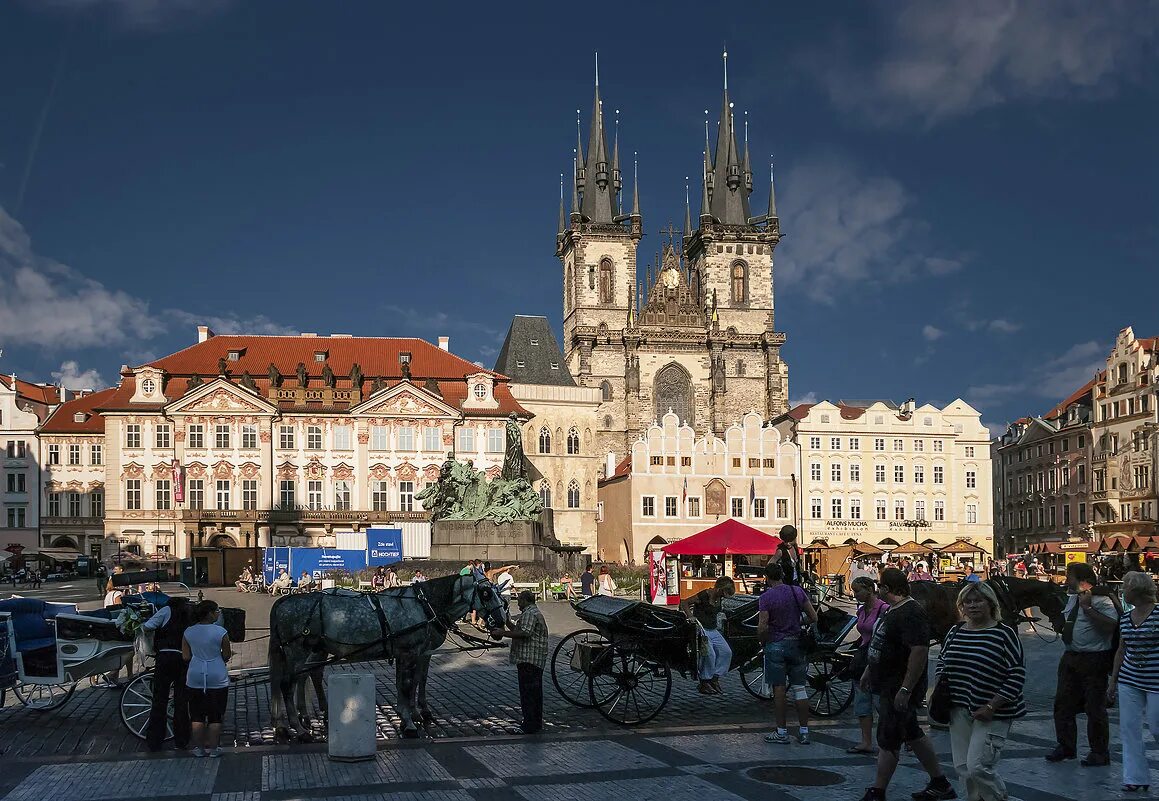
x,y
623,665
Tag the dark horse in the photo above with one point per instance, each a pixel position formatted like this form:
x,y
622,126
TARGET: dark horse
x,y
1015,595
405,624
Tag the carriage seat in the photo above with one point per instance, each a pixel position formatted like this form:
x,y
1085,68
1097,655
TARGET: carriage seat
x,y
30,623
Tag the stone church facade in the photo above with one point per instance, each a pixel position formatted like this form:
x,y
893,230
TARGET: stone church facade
x,y
697,335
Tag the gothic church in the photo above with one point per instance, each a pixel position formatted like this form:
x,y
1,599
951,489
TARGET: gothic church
x,y
697,336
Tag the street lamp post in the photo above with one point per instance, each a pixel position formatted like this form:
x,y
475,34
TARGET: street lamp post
x,y
915,525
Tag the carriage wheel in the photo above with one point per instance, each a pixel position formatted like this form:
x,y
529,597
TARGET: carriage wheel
x,y
137,703
752,676
829,693
43,697
572,682
627,689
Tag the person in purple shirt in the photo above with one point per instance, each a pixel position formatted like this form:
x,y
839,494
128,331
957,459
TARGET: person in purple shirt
x,y
780,609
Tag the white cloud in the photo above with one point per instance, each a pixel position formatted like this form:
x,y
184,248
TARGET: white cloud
x,y
70,377
140,15
808,397
941,60
932,333
845,226
996,326
233,324
1053,379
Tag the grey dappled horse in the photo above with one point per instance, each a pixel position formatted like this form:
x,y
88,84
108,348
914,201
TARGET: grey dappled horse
x,y
404,623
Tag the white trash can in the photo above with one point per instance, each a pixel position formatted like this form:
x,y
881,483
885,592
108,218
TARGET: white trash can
x,y
351,716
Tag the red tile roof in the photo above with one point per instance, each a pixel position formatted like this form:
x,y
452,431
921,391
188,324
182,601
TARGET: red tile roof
x,y
1074,397
800,411
377,357
62,420
37,393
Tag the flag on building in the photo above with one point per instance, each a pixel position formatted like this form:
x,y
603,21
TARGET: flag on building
x,y
684,494
752,490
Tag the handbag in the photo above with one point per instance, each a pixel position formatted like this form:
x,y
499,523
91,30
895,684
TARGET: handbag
x,y
938,707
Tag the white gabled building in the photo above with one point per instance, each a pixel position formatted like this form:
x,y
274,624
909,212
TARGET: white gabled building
x,y
23,407
871,468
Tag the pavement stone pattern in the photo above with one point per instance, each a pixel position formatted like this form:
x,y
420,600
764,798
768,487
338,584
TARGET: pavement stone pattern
x,y
129,779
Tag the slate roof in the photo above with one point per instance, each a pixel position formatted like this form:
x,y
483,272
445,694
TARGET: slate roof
x,y
527,363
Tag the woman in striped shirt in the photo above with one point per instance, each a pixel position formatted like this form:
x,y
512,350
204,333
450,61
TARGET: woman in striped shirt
x,y
1135,677
982,661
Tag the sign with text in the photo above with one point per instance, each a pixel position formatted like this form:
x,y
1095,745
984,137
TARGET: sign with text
x,y
384,546
274,561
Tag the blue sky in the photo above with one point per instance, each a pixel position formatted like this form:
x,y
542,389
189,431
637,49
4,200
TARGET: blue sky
x,y
968,191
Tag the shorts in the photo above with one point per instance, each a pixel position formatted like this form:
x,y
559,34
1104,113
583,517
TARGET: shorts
x,y
783,659
864,704
207,706
894,727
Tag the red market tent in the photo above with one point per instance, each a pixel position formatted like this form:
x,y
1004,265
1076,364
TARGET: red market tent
x,y
729,537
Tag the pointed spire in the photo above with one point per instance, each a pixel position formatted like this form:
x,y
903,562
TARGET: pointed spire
x,y
729,197
579,154
705,197
617,180
599,187
562,216
576,211
747,165
687,210
772,193
635,184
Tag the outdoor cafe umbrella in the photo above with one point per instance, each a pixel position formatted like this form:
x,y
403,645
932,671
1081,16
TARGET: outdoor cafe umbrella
x,y
729,537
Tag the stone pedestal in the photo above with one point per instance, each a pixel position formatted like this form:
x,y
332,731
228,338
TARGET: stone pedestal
x,y
514,542
351,713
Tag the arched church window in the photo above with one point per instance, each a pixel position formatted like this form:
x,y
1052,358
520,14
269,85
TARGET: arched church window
x,y
545,495
573,495
544,440
672,389
606,390
740,281
573,442
607,284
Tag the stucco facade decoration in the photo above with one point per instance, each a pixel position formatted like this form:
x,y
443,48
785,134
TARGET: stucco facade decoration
x,y
676,484
23,407
695,334
287,440
1125,430
868,468
73,455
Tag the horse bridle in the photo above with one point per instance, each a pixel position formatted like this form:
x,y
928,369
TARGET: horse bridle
x,y
1006,598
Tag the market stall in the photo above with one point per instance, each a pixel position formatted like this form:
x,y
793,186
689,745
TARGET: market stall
x,y
714,552
954,557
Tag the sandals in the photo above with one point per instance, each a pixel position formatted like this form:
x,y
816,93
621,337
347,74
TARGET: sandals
x,y
1135,788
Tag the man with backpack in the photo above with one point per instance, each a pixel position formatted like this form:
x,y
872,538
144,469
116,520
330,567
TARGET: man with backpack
x,y
1092,622
168,625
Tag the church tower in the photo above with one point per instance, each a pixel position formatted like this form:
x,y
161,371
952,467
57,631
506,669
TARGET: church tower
x,y
596,245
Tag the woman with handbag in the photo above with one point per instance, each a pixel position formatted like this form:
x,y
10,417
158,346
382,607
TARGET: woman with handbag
x,y
981,673
870,610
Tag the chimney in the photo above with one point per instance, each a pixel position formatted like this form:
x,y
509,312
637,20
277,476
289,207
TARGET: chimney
x,y
610,469
204,332
445,344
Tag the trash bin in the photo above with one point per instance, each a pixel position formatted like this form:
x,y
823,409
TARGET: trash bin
x,y
351,714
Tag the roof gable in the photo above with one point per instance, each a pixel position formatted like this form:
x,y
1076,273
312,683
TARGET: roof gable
x,y
404,400
220,397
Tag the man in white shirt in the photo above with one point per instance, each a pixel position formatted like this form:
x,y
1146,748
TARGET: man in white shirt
x,y
504,582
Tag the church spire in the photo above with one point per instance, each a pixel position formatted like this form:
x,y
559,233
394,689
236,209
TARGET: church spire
x,y
747,166
599,180
635,185
576,213
730,204
687,210
617,180
562,216
772,215
579,156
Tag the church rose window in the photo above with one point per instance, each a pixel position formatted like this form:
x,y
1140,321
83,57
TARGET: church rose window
x,y
673,390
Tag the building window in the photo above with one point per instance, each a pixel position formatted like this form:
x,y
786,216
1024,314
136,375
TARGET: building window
x,y
17,482
286,438
573,442
221,437
74,504
406,438
938,446
53,454
899,510
919,474
314,494
380,496
855,443
835,472
96,455
465,439
919,445
406,496
249,495
16,516
670,509
854,508
74,454
879,473
287,494
899,445
96,504
195,439
835,508
132,435
342,439
972,513
607,282
378,438
899,474
815,508
195,492
314,438
648,506
223,493
972,479
545,494
879,509
54,504
970,450
606,391
342,496
920,510
939,511
573,495
737,506
162,437
672,392
815,443
736,462
249,437
496,440
760,509
939,474
432,439
835,443
163,493
1066,514
768,464
855,472
133,493
739,274
694,507
544,440
879,444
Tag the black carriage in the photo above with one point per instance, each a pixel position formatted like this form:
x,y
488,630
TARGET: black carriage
x,y
623,665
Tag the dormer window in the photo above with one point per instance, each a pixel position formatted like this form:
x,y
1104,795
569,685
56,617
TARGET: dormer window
x,y
520,363
555,365
480,391
404,357
319,356
234,355
535,342
79,417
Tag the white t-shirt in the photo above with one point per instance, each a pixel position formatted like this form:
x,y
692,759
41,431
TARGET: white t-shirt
x,y
113,597
505,582
607,585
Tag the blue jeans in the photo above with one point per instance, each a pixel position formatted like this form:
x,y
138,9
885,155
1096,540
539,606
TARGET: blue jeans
x,y
716,661
864,704
784,659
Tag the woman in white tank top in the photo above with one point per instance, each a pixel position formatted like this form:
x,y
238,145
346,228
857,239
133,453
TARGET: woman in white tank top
x,y
205,647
